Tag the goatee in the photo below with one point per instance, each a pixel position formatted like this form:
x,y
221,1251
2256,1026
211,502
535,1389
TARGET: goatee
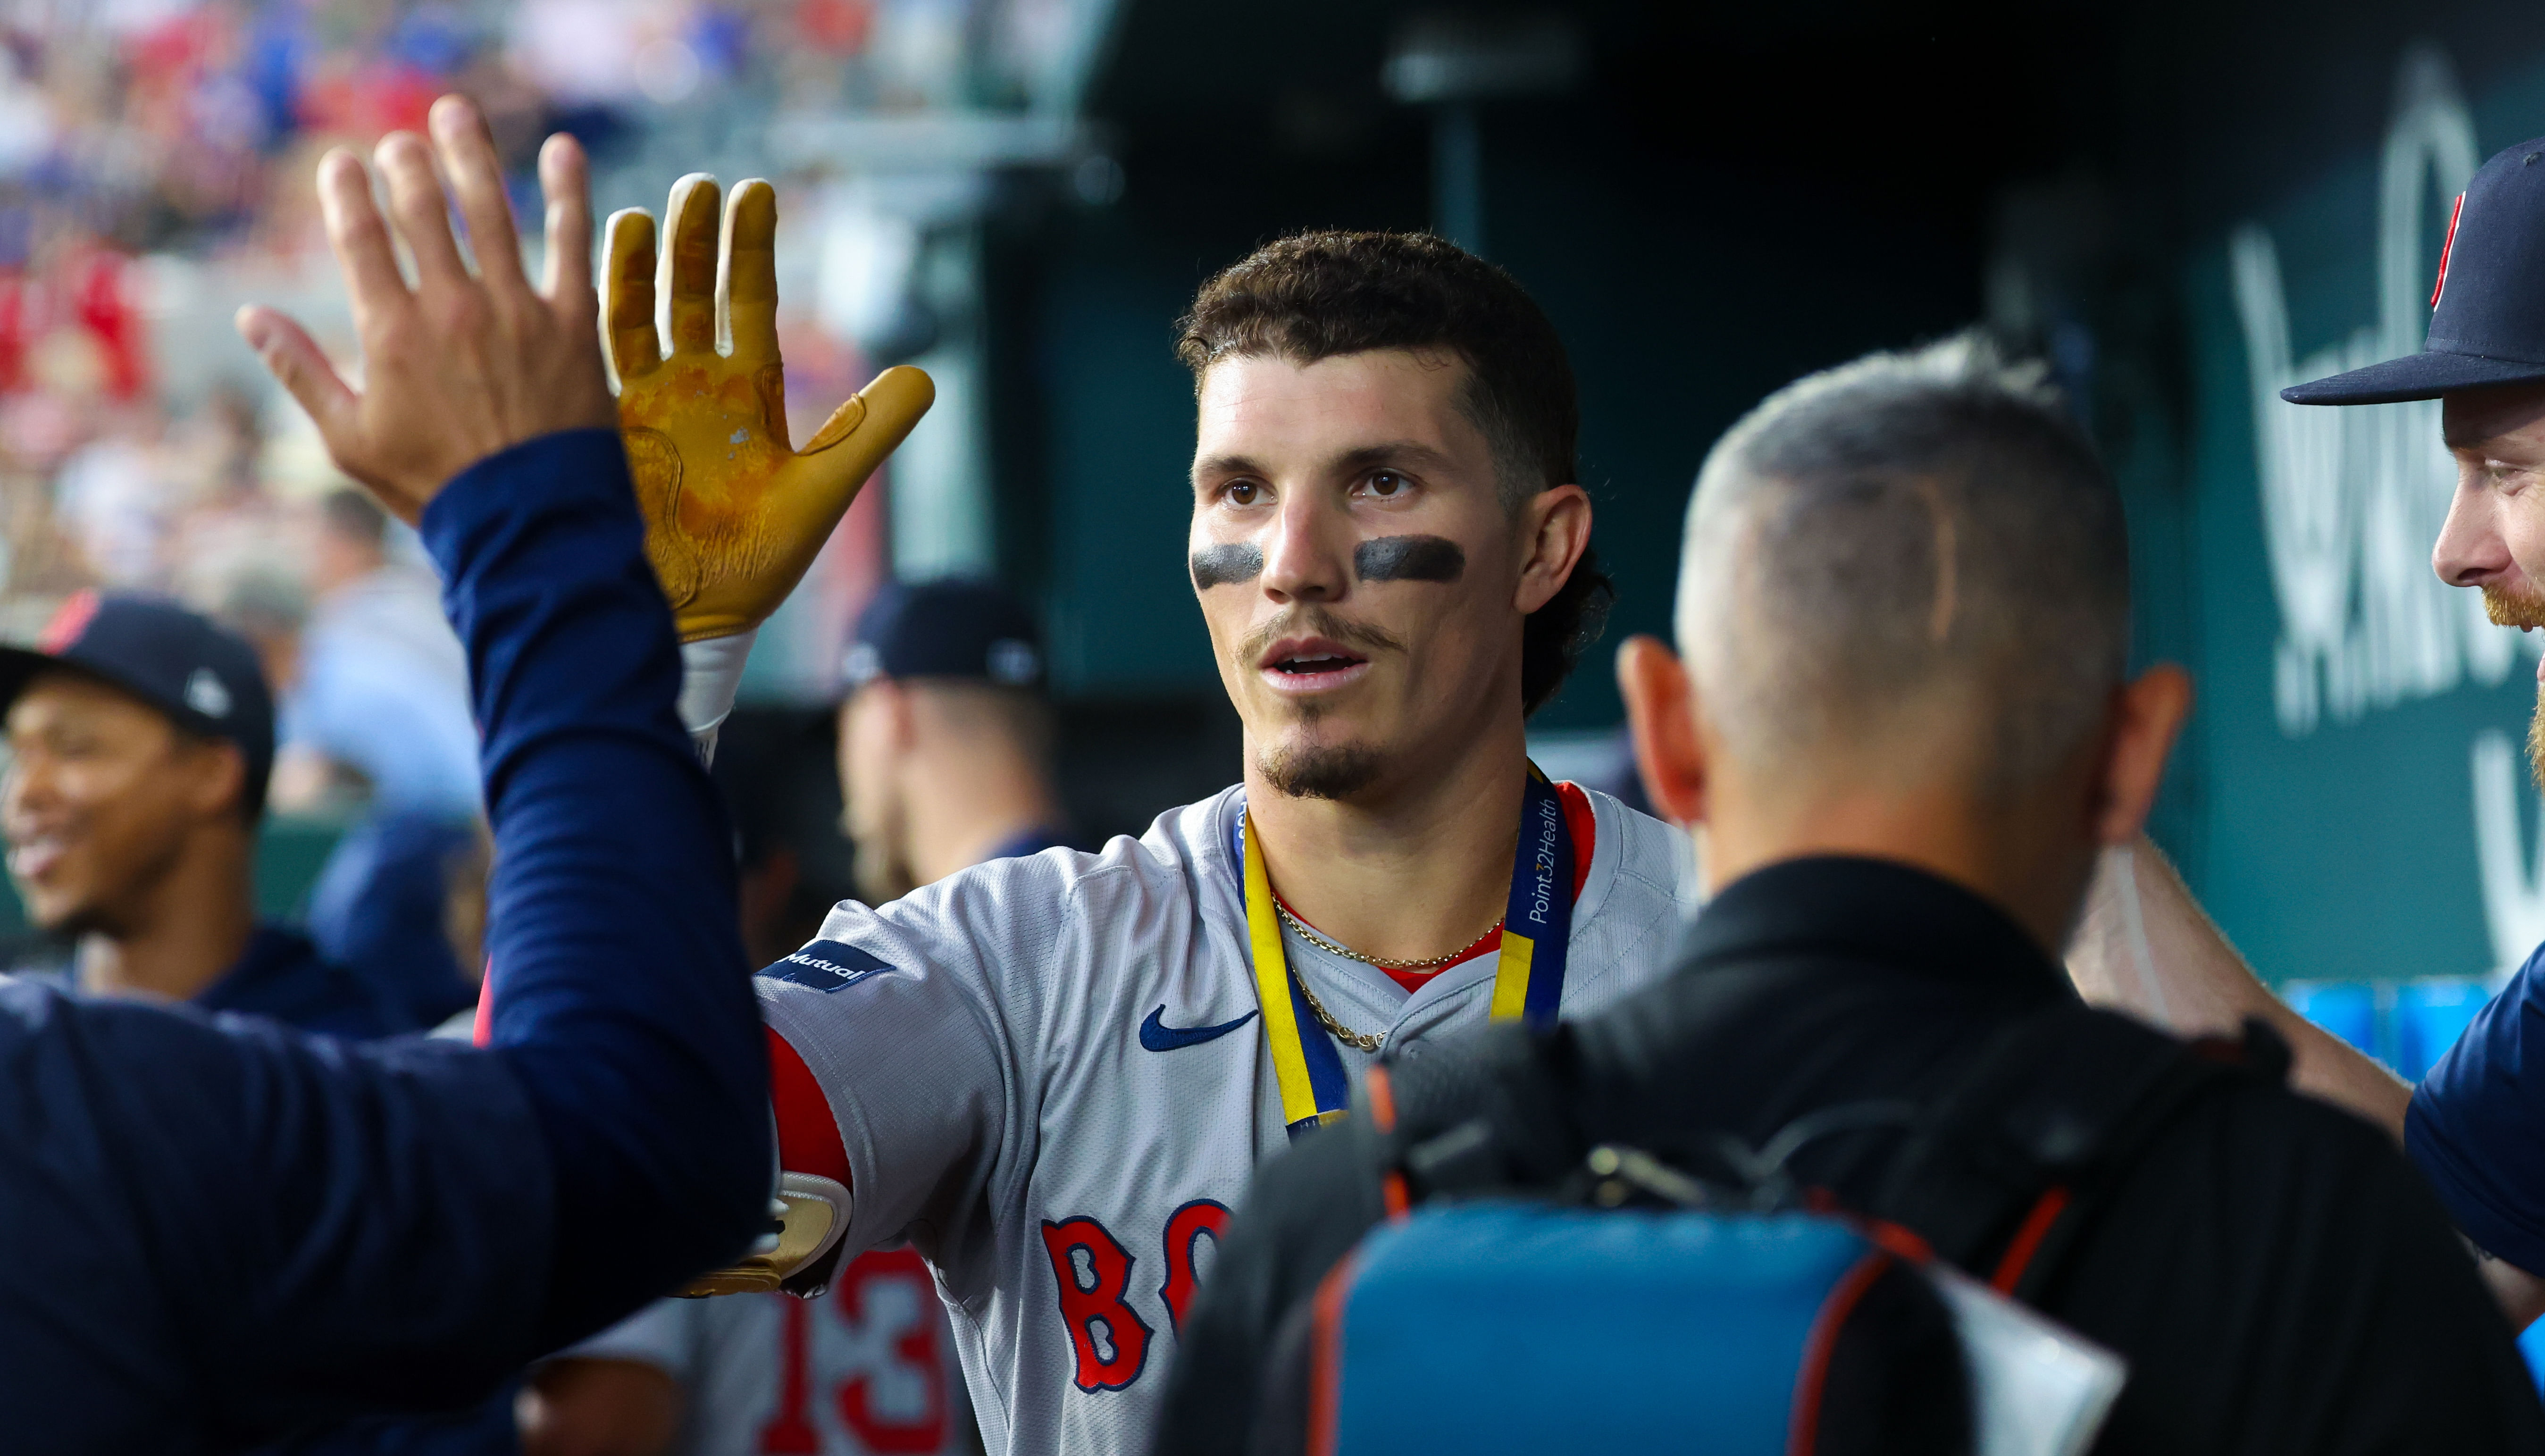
x,y
1322,771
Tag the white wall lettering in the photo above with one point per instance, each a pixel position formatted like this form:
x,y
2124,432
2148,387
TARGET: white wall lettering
x,y
2352,498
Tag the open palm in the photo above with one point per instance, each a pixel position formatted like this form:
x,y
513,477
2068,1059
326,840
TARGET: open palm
x,y
734,514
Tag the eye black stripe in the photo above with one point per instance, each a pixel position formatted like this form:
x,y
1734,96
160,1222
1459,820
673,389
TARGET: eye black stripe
x,y
1409,559
1236,561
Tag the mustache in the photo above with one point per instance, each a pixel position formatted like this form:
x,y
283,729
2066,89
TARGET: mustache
x,y
1311,621
2512,610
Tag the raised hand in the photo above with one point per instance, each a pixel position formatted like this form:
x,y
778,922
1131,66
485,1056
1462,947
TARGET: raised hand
x,y
462,366
734,514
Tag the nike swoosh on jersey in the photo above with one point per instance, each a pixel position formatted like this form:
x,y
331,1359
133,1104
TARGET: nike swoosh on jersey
x,y
1157,1037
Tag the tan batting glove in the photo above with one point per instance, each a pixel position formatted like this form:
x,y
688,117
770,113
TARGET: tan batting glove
x,y
734,514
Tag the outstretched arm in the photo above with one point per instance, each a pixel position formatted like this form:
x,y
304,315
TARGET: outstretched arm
x,y
622,1004
2190,981
2147,947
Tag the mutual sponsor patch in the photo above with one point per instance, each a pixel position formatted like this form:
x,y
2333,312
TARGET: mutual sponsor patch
x,y
828,965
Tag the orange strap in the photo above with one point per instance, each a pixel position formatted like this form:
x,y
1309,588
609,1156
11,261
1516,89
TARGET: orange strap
x,y
1821,1342
1326,1367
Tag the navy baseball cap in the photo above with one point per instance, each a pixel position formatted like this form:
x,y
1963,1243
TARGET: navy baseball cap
x,y
949,629
206,678
2487,308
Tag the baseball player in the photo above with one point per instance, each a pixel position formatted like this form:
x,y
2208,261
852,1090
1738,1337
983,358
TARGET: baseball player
x,y
1053,1074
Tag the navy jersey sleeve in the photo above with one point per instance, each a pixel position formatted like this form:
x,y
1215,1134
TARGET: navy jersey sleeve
x,y
219,1230
223,1229
623,999
2477,1123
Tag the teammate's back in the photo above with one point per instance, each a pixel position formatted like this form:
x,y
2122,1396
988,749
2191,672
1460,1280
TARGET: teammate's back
x,y
2274,1272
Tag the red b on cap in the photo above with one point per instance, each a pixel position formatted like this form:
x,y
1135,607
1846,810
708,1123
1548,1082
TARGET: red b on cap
x,y
70,620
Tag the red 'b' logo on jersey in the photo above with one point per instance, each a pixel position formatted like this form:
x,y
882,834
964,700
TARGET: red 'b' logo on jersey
x,y
1094,1272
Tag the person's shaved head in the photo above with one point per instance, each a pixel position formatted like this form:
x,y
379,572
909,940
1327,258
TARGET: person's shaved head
x,y
1911,564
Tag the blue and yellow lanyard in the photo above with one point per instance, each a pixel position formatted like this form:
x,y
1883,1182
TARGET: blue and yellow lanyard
x,y
1529,974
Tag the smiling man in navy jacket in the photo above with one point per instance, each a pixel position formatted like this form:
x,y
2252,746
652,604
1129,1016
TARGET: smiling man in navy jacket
x,y
140,741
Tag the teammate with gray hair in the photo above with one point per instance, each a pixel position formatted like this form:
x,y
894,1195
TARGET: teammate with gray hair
x,y
1881,542
1903,735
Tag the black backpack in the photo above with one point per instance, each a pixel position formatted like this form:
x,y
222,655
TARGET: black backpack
x,y
1997,1178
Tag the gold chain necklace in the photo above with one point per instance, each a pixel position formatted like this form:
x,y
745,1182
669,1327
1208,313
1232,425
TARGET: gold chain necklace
x,y
1322,943
1362,1040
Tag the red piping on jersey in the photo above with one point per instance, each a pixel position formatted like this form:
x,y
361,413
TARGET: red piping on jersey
x,y
1584,824
1818,1345
808,1137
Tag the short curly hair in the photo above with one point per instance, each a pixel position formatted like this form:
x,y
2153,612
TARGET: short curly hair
x,y
1320,294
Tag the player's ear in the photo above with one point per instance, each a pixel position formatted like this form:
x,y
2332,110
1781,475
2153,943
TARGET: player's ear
x,y
2147,716
900,713
218,777
1661,712
1555,530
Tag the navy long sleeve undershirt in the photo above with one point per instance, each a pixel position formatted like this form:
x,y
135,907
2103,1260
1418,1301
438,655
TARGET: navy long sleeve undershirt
x,y
622,998
217,1230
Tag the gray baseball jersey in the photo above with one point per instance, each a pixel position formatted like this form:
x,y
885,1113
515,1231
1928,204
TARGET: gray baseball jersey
x,y
865,1370
1046,1074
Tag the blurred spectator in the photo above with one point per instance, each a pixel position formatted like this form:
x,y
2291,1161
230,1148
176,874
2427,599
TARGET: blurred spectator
x,y
109,498
226,523
376,704
378,684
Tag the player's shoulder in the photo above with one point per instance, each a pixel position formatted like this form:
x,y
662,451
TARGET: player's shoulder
x,y
1643,852
1186,852
1638,894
